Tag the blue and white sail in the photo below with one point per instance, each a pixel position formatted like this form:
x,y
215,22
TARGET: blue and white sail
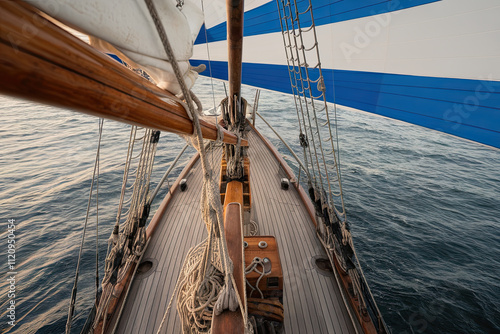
x,y
434,63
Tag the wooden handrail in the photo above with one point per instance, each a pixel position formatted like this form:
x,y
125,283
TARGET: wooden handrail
x,y
40,61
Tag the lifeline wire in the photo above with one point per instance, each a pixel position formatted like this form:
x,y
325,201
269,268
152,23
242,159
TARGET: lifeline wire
x,y
75,283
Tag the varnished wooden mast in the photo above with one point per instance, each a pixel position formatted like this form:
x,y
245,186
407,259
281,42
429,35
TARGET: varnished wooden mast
x,y
235,52
42,62
227,321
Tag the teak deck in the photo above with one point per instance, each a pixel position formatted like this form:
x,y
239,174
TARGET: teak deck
x,y
312,301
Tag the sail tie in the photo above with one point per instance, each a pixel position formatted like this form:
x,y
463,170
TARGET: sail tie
x,y
220,135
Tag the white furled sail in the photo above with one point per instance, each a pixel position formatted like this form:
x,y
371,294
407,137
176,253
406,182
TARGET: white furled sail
x,y
434,63
125,28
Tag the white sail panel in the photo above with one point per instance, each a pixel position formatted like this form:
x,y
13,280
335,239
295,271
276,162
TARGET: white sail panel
x,y
129,29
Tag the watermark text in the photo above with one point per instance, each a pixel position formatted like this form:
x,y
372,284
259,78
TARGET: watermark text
x,y
11,272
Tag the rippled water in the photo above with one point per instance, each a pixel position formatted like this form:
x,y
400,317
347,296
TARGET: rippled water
x,y
424,209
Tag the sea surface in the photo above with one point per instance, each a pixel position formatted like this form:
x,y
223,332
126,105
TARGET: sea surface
x,y
424,208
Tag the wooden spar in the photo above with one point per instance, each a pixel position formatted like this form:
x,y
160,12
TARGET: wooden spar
x,y
42,62
227,321
235,51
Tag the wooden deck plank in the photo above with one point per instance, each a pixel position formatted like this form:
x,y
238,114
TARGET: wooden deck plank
x,y
288,259
163,253
178,249
312,278
301,230
192,231
165,288
281,200
159,271
267,215
145,306
272,194
312,302
164,247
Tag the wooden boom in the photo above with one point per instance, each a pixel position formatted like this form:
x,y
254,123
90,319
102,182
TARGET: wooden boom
x,y
42,62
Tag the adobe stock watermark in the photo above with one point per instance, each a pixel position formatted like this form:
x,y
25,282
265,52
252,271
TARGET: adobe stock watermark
x,y
30,28
372,29
420,321
459,112
11,273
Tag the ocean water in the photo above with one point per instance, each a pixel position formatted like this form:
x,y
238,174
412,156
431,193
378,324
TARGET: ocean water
x,y
424,209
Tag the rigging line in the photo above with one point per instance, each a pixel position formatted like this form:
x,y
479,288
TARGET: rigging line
x,y
133,131
144,163
165,176
210,72
101,121
339,169
335,157
131,214
294,79
312,106
144,169
149,166
300,90
302,80
327,115
301,165
312,100
71,308
171,56
208,54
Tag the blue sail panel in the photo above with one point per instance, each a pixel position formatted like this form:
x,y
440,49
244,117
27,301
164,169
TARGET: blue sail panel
x,y
264,19
470,109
